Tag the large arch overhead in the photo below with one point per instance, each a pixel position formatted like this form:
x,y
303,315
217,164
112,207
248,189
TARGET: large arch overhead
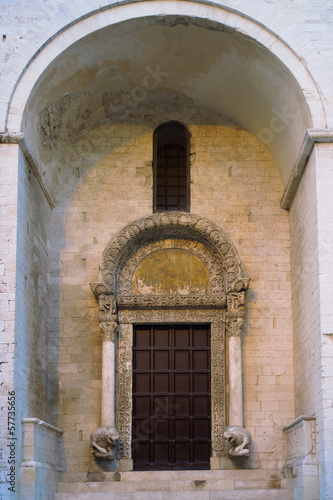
x,y
106,76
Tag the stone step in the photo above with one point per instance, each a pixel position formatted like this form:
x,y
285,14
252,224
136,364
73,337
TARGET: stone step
x,y
181,485
272,475
178,485
192,475
278,494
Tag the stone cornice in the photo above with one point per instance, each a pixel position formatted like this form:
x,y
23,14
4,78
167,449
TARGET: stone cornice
x,y
19,138
311,137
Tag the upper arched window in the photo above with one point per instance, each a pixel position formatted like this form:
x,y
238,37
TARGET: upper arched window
x,y
171,168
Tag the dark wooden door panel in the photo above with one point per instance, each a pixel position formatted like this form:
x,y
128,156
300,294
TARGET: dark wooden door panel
x,y
171,397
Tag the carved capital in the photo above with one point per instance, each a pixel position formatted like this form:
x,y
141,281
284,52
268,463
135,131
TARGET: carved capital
x,y
235,313
241,285
107,308
98,288
109,330
235,326
107,303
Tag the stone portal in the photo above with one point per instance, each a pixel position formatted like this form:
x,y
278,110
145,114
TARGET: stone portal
x,y
168,269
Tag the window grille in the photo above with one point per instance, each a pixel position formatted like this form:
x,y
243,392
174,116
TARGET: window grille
x,y
171,168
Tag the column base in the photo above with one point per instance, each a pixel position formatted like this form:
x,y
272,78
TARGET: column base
x,y
125,465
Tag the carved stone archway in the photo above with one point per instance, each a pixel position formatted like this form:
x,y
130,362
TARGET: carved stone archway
x,y
120,306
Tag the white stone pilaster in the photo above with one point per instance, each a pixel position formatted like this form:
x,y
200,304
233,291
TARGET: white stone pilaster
x,y
235,381
235,321
109,331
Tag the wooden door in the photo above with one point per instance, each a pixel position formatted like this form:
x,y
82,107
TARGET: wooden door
x,y
171,397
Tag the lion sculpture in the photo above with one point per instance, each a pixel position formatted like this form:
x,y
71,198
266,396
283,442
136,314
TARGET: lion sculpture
x,y
104,442
239,439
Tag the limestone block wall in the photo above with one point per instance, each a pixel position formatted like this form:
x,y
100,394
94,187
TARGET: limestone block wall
x,y
311,263
32,300
306,308
32,296
8,232
301,469
24,254
324,182
43,460
235,184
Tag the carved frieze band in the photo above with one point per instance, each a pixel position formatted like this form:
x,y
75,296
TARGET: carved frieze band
x,y
218,396
124,390
209,301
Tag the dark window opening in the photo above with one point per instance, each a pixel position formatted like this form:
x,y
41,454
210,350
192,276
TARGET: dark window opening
x,y
171,168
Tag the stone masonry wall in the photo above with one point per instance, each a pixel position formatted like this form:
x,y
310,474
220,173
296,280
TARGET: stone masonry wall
x,y
32,300
235,184
324,183
311,264
8,231
304,25
305,292
24,282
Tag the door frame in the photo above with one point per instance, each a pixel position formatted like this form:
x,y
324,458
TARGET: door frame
x,y
128,318
171,370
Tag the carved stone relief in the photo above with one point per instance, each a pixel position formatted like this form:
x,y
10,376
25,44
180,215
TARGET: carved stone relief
x,y
162,226
239,440
124,390
223,306
235,313
104,443
171,301
109,330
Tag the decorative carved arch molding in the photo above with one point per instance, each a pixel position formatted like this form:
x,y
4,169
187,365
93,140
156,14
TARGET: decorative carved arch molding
x,y
125,298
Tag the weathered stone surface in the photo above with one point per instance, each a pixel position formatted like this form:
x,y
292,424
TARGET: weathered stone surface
x,y
238,439
104,443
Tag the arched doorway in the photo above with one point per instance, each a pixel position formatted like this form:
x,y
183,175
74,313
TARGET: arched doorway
x,y
54,155
163,270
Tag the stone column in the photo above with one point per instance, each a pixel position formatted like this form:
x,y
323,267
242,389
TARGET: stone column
x,y
104,440
108,322
235,321
109,332
109,326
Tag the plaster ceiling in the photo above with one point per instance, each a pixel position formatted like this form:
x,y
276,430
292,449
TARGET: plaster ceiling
x,y
113,72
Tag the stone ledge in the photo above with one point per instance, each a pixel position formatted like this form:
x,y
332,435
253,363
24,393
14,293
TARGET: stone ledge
x,y
297,421
311,137
41,423
19,138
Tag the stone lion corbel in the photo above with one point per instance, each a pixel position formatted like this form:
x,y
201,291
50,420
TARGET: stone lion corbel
x,y
239,439
104,443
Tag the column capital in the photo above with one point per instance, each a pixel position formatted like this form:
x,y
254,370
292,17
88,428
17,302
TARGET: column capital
x,y
235,313
109,330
